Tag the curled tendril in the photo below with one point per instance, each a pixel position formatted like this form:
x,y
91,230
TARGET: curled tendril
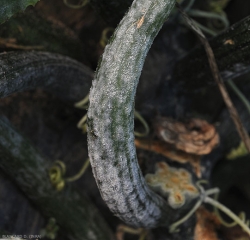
x,y
174,227
189,5
82,4
205,29
83,104
82,124
144,123
105,37
57,172
239,94
204,198
217,18
80,173
220,16
244,224
186,5
241,216
126,229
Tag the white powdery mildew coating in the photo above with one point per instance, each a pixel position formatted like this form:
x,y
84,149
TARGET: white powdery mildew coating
x,y
110,117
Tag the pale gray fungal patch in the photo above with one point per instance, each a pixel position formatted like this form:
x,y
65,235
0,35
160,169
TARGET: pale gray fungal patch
x,y
112,95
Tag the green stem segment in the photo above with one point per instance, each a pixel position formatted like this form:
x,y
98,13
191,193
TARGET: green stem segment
x,y
63,76
111,119
73,212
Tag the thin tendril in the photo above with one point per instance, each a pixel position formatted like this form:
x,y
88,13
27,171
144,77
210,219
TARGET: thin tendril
x,y
239,94
104,38
212,191
81,172
222,221
83,104
211,15
199,184
144,123
242,216
205,29
82,124
57,172
203,195
173,227
228,212
190,4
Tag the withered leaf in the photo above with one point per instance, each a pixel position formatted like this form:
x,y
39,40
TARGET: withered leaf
x,y
196,136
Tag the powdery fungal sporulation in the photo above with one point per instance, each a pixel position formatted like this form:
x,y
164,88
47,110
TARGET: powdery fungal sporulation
x,y
111,120
175,183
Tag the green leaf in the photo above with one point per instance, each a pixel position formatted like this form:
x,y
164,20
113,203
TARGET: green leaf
x,y
10,7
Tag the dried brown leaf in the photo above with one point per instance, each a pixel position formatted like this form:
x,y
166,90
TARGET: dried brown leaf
x,y
122,229
206,225
196,136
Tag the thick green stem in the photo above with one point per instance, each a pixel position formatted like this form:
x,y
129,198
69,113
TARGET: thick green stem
x,y
73,212
63,76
